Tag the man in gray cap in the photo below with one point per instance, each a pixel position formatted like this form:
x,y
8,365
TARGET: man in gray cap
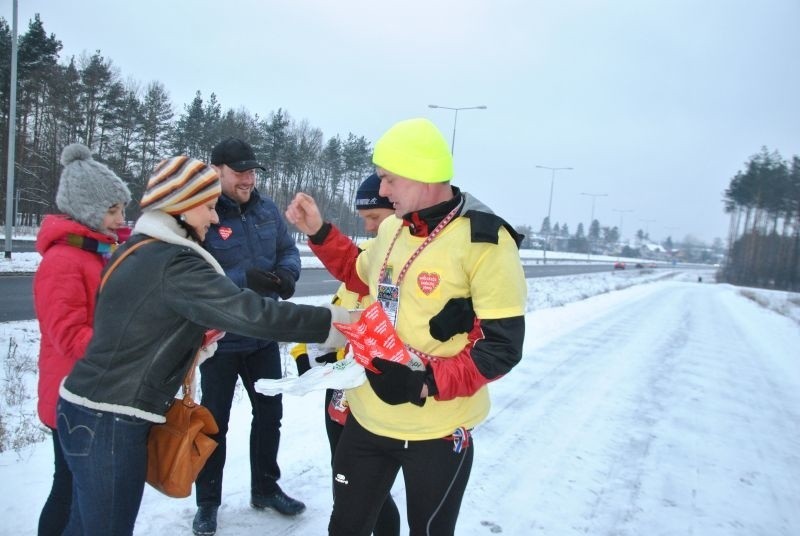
x,y
253,246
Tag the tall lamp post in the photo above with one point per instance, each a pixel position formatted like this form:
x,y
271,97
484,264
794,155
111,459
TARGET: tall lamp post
x,y
549,207
591,220
621,214
12,123
455,119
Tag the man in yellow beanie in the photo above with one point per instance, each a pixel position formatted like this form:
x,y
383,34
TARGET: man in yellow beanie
x,y
448,274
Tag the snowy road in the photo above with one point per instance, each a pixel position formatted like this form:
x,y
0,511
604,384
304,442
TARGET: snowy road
x,y
674,412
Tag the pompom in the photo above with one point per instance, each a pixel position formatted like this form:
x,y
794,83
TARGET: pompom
x,y
75,151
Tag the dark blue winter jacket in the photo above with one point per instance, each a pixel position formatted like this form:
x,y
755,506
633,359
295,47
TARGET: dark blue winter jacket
x,y
253,235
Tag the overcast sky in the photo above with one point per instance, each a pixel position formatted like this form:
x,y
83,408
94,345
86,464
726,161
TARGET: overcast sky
x,y
656,103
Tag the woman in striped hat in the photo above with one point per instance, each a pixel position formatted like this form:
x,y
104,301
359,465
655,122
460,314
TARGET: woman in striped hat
x,y
151,317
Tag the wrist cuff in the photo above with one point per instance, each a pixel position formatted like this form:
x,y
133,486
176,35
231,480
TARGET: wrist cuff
x,y
430,381
320,236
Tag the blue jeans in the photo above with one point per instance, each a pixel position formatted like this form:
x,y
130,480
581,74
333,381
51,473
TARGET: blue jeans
x,y
107,454
218,377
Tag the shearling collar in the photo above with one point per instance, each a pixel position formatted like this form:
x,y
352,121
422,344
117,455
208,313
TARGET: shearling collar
x,y
162,226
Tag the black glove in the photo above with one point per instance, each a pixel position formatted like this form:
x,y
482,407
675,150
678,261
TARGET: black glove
x,y
396,383
302,364
457,316
287,282
262,281
280,281
330,357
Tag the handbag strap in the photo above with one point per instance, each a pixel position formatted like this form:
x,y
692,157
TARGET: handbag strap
x,y
120,258
189,378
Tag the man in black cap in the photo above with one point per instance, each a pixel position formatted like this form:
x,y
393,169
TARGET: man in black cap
x,y
253,246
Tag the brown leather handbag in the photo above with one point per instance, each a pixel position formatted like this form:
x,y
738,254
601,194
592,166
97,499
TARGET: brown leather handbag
x,y
178,449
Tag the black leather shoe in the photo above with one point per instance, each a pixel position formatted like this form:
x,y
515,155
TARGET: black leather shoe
x,y
205,521
278,501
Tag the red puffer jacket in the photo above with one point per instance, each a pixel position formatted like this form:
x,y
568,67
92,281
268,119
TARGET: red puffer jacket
x,y
64,293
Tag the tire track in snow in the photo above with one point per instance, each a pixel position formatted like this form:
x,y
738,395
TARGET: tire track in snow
x,y
573,399
627,421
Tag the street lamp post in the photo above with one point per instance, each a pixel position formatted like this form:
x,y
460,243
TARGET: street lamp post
x,y
621,214
12,123
591,220
549,207
455,119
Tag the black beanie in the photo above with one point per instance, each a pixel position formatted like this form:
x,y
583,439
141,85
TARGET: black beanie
x,y
367,196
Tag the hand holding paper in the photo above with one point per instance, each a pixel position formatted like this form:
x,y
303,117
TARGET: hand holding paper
x,y
374,336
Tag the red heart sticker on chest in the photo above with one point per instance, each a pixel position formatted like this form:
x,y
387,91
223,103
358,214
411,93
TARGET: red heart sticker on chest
x,y
225,232
427,282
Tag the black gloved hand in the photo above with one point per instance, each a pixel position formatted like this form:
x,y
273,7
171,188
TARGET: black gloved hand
x,y
396,383
280,281
457,316
286,283
330,357
302,364
262,281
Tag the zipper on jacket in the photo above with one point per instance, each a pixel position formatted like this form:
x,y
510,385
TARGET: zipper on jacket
x,y
248,234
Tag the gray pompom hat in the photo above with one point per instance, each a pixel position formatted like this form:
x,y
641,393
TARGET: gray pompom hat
x,y
87,189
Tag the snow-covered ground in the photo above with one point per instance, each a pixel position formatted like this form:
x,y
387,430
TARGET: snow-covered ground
x,y
646,403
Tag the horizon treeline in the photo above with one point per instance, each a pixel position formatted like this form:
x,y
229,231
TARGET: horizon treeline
x,y
131,126
763,201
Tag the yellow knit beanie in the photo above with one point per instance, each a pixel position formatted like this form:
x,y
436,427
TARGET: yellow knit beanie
x,y
415,149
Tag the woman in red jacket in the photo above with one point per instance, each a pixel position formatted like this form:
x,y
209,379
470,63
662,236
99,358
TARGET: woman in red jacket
x,y
74,248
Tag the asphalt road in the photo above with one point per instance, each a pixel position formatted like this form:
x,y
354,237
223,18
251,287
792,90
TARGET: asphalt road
x,y
19,246
17,294
17,298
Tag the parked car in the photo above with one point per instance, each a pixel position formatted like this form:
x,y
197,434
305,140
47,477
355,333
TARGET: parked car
x,y
619,265
639,265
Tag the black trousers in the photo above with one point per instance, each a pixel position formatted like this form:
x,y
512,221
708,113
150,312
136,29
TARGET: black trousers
x,y
388,522
218,380
365,466
55,514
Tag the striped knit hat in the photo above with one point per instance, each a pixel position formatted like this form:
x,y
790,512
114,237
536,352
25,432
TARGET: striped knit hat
x,y
179,184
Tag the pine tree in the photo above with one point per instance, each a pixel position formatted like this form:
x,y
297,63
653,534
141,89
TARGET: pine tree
x,y
156,119
35,154
188,136
99,92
